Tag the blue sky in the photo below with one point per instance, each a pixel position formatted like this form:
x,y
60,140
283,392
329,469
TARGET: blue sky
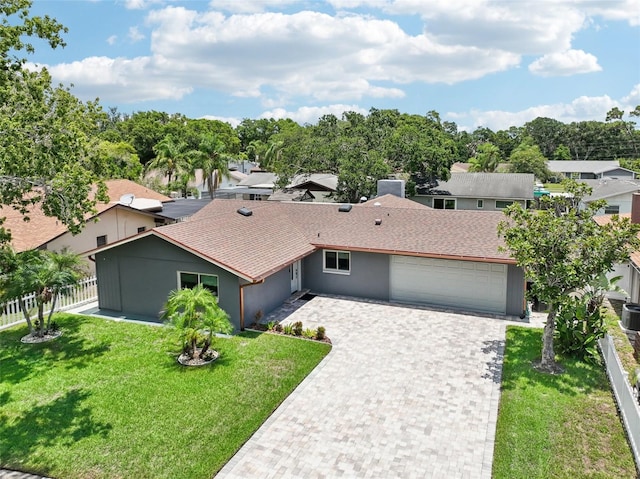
x,y
491,63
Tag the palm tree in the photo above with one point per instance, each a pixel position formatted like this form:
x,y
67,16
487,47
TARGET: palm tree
x,y
213,160
486,160
196,313
170,157
46,274
272,155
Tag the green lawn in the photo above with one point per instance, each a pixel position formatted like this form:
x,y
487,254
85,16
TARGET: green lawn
x,y
108,399
562,426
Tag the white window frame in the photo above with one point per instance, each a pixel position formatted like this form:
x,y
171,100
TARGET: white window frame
x,y
444,203
335,270
178,273
480,204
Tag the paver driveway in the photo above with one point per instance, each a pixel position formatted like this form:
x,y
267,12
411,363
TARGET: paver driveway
x,y
404,393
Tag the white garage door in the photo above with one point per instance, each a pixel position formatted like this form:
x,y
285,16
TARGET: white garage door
x,y
459,284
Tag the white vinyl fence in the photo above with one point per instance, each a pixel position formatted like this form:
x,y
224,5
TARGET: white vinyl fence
x,y
623,392
85,292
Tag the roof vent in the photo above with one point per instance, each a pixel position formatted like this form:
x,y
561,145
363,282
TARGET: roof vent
x,y
377,203
245,211
345,208
378,221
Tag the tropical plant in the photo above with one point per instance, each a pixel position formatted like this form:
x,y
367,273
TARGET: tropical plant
x,y
196,314
47,275
170,157
578,329
486,160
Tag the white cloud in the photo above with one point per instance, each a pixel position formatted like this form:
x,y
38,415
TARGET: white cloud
x,y
569,62
135,35
231,120
250,6
583,108
141,4
311,114
112,39
119,79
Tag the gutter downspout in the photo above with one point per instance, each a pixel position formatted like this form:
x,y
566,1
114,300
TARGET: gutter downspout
x,y
242,286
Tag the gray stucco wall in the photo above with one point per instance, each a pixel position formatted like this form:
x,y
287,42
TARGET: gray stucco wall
x,y
136,278
266,296
369,276
515,290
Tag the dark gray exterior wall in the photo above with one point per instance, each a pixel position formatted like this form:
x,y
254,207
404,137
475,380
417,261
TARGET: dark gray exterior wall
x,y
515,290
136,278
266,296
369,276
467,203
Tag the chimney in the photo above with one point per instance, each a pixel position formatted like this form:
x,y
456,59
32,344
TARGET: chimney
x,y
394,187
635,208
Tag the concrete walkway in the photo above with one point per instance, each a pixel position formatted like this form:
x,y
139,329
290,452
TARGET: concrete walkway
x,y
404,393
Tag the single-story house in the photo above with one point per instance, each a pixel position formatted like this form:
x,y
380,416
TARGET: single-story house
x,y
255,255
478,191
617,192
589,169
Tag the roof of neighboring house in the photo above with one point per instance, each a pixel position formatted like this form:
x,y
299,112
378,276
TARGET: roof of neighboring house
x,y
315,181
608,187
459,167
237,175
279,233
41,229
259,179
182,208
586,166
484,185
118,188
394,202
289,194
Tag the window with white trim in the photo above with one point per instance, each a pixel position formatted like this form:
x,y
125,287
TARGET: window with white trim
x,y
444,203
191,280
336,262
480,204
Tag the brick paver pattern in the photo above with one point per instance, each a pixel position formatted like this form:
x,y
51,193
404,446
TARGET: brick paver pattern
x,y
405,393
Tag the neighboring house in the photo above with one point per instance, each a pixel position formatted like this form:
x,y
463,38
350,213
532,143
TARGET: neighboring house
x,y
478,191
319,187
589,170
254,256
199,181
257,186
132,208
616,192
393,201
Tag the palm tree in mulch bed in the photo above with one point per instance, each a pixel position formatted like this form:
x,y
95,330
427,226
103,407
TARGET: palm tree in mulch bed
x,y
196,314
46,274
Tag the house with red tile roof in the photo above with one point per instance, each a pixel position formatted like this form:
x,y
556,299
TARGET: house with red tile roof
x,y
254,255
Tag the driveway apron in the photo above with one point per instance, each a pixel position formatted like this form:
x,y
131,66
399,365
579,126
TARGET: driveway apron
x,y
404,393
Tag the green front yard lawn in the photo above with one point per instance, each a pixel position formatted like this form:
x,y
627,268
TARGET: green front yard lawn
x,y
108,399
562,426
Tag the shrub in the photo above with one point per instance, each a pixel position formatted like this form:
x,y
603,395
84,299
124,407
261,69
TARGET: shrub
x,y
320,333
309,333
271,325
288,329
578,329
278,327
297,328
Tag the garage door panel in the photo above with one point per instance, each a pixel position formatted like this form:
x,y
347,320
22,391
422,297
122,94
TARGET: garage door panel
x,y
461,284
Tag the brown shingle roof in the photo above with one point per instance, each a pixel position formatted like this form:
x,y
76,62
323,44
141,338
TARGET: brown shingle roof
x,y
276,234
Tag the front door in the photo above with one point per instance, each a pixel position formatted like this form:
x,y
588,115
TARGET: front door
x,y
294,273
